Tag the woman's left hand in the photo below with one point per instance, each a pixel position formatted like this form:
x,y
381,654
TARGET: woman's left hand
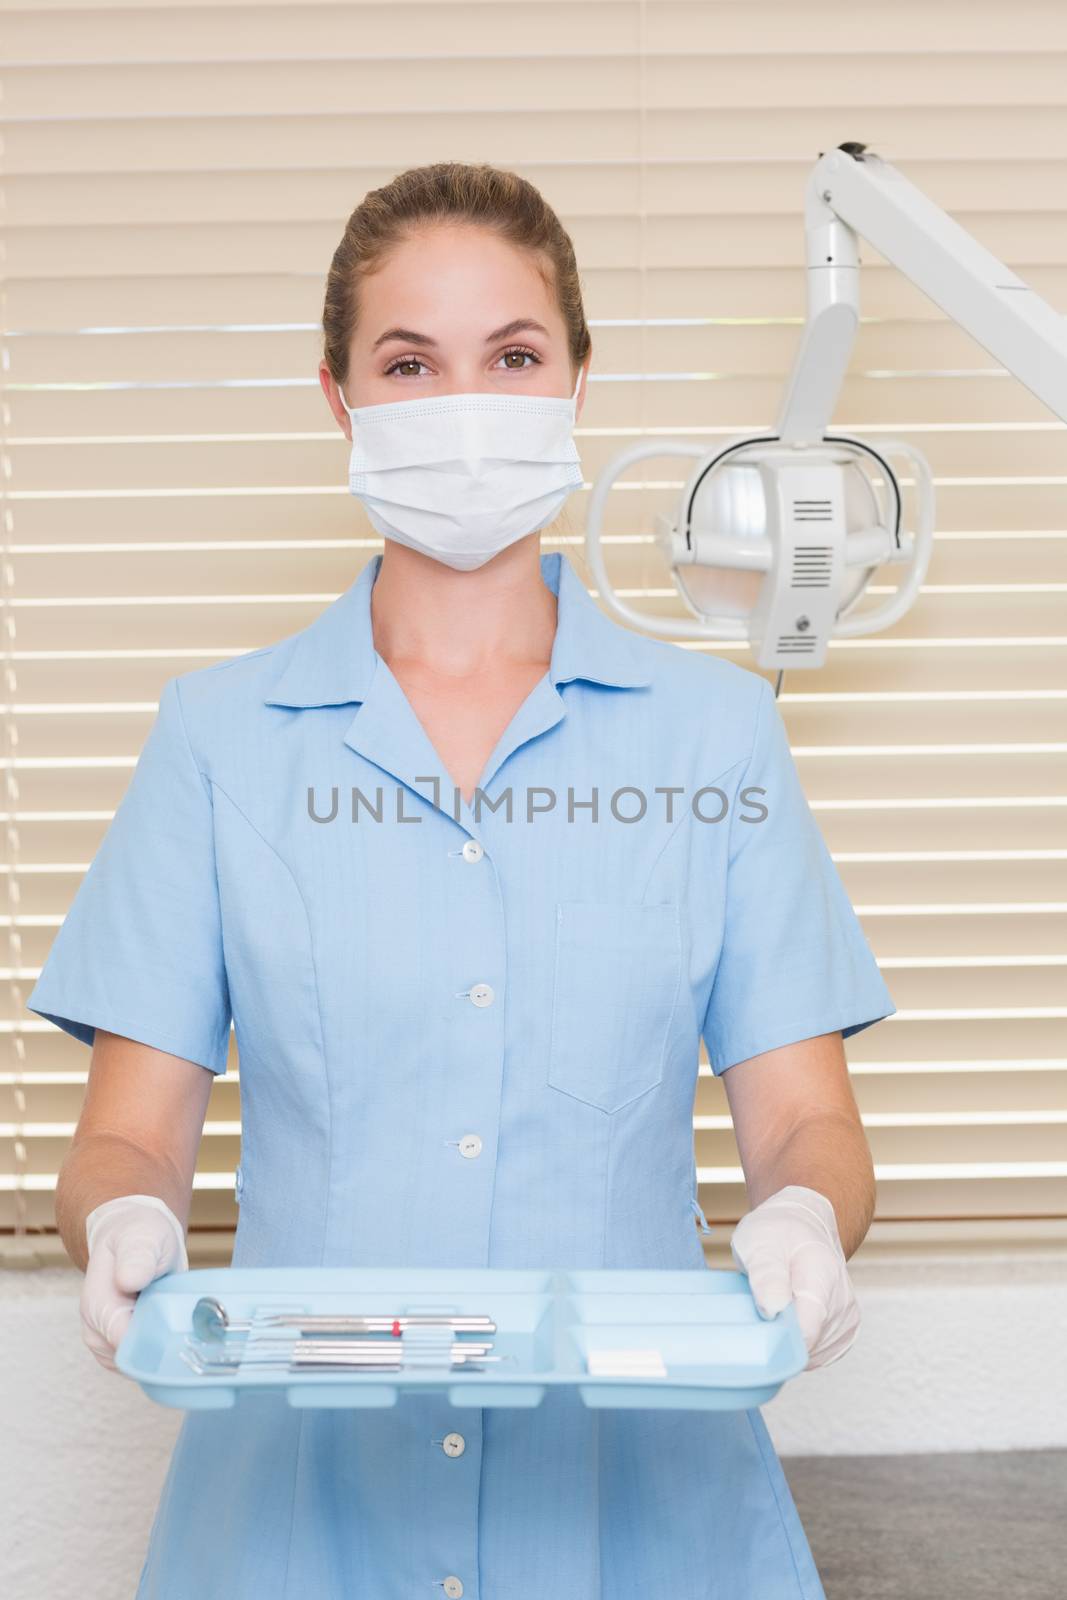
x,y
791,1250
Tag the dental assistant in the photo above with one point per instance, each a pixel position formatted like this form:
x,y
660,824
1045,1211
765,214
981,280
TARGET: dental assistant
x,y
468,1032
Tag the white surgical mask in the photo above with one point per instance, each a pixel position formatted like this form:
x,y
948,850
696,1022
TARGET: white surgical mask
x,y
462,476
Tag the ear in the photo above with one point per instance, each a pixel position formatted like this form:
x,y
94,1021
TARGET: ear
x,y
333,399
584,383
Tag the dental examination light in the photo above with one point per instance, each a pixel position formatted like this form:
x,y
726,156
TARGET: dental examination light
x,y
777,535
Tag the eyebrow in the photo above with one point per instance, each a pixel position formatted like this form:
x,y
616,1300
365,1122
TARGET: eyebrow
x,y
408,336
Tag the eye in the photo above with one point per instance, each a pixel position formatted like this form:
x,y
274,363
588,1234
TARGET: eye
x,y
521,350
404,361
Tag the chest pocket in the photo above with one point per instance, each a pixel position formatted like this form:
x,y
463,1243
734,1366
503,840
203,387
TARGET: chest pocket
x,y
618,970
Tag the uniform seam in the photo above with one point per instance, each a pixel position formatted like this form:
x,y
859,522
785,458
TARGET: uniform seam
x,y
554,998
609,1164
761,700
185,735
679,973
318,999
206,781
685,818
244,655
763,694
686,815
123,1023
292,1503
802,1587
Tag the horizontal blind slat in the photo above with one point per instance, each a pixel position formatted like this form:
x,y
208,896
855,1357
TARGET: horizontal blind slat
x,y
136,29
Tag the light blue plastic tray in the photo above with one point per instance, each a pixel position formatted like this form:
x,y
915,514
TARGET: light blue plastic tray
x,y
719,1353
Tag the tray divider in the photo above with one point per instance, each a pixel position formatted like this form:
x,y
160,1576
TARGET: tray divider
x,y
565,1357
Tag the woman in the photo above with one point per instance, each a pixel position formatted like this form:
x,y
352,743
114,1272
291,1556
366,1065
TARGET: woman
x,y
472,868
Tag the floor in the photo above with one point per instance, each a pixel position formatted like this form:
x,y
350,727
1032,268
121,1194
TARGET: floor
x,y
936,1527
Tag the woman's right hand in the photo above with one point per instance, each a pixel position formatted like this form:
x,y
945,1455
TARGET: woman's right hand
x,y
132,1240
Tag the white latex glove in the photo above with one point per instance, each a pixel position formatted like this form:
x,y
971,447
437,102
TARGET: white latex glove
x,y
791,1250
132,1240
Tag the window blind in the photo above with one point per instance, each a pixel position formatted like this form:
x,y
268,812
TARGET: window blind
x,y
174,492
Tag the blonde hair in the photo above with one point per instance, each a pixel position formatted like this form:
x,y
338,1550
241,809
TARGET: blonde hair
x,y
449,192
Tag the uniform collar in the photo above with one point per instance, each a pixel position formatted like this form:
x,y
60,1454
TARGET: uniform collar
x,y
333,660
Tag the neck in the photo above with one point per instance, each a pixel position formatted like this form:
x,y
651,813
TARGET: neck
x,y
427,616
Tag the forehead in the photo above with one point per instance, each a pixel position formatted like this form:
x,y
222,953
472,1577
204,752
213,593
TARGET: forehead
x,y
456,280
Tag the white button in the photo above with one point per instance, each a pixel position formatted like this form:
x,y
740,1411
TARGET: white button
x,y
470,1146
481,995
472,851
453,1444
453,1588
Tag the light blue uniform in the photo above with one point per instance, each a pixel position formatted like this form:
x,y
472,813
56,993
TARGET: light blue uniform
x,y
467,1041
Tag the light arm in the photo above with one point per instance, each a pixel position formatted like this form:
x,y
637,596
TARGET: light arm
x,y
851,192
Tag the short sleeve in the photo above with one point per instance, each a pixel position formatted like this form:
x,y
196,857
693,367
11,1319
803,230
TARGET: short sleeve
x,y
794,961
139,952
